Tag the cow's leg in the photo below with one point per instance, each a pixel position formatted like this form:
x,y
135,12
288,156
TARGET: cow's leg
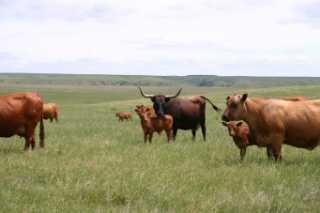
x,y
145,134
169,135
32,142
51,119
204,130
56,116
29,137
269,152
150,137
276,149
242,153
175,130
194,134
27,142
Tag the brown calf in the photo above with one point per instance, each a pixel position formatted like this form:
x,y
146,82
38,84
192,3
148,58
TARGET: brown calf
x,y
240,132
124,116
50,111
150,123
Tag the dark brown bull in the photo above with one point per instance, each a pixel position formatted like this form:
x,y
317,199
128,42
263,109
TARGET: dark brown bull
x,y
187,113
19,115
274,122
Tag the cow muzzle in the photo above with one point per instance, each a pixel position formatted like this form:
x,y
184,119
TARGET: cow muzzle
x,y
225,118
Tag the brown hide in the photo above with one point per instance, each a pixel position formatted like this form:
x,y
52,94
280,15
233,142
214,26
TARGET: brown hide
x,y
124,116
19,115
294,98
273,122
151,123
50,111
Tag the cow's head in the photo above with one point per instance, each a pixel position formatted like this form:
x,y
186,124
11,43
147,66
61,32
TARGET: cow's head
x,y
233,127
236,107
159,101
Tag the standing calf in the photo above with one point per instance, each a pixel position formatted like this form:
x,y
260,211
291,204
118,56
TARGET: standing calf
x,y
150,123
124,116
240,133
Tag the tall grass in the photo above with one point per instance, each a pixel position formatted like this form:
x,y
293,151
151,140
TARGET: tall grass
x,y
93,163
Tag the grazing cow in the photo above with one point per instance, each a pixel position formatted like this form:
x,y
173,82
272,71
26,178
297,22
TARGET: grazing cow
x,y
187,113
124,116
19,115
50,111
240,133
150,123
274,122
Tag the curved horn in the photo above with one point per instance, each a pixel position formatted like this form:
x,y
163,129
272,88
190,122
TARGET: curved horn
x,y
176,95
145,95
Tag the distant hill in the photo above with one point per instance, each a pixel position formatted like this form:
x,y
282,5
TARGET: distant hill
x,y
132,80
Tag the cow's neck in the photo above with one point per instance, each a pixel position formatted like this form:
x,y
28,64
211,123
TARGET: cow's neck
x,y
252,116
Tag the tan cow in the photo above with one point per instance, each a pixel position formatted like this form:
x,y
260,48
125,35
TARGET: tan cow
x,y
124,116
50,111
150,123
19,115
274,122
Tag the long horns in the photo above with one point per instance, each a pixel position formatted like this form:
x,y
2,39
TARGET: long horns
x,y
176,95
145,95
150,96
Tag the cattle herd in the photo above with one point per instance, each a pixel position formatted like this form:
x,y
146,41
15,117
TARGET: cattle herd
x,y
264,122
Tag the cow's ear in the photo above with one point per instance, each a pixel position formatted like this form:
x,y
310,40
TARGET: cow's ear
x,y
244,97
167,99
153,99
239,123
224,123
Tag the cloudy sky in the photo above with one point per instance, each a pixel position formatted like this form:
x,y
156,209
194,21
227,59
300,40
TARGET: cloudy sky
x,y
162,37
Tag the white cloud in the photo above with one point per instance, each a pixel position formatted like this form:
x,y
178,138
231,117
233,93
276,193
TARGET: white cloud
x,y
202,37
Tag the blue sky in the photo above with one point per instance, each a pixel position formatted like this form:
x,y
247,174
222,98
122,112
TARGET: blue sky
x,y
167,37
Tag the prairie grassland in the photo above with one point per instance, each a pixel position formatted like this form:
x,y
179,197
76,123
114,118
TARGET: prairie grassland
x,y
93,163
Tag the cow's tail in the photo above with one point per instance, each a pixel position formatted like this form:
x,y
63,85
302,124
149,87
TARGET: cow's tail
x,y
41,134
213,106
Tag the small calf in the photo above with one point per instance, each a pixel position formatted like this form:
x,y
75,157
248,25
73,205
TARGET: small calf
x,y
50,111
124,116
150,123
240,132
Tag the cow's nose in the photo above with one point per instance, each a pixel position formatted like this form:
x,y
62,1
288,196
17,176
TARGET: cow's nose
x,y
224,118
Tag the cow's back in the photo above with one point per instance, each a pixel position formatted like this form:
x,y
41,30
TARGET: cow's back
x,y
298,122
186,114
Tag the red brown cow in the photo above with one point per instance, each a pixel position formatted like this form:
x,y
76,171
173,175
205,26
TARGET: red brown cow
x,y
240,132
150,123
50,111
19,115
124,116
274,122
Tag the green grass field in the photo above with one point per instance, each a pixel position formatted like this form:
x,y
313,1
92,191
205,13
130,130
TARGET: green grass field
x,y
93,163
